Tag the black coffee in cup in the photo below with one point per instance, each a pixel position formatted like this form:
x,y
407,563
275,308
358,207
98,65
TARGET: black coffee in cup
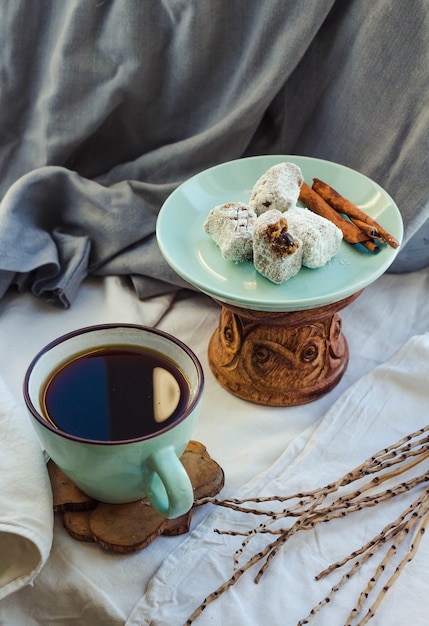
x,y
115,394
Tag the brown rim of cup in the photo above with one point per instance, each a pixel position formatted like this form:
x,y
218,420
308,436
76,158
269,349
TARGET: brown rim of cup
x,y
87,329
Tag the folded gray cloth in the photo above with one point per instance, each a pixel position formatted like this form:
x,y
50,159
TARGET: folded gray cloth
x,y
105,107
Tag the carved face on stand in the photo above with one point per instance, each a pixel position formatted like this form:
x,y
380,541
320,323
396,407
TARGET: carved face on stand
x,y
305,356
264,356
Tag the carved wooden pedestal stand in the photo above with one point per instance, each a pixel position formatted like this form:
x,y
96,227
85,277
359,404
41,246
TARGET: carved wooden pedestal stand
x,y
279,359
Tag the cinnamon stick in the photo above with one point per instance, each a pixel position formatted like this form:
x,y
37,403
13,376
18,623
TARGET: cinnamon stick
x,y
368,229
371,246
342,205
351,233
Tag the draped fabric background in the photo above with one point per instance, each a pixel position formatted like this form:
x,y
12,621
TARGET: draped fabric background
x,y
107,105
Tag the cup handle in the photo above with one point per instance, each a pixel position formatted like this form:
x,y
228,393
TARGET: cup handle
x,y
167,484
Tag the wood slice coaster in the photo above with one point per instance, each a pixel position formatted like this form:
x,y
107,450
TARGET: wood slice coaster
x,y
126,528
66,496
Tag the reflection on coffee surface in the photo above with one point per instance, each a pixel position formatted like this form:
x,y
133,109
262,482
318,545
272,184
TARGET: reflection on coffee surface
x,y
115,393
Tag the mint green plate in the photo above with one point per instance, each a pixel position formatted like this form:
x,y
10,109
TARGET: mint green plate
x,y
196,258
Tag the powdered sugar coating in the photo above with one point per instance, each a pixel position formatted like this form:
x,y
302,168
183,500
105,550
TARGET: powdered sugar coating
x,y
321,239
278,188
231,227
276,254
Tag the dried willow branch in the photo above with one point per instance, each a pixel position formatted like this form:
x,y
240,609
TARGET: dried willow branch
x,y
308,509
388,531
399,530
411,554
366,555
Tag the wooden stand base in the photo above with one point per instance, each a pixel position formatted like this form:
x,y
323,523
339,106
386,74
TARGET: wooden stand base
x,y
279,359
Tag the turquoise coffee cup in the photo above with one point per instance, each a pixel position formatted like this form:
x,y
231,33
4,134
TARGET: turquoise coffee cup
x,y
119,470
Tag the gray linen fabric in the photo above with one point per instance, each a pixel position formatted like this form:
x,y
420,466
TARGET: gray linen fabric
x,y
107,105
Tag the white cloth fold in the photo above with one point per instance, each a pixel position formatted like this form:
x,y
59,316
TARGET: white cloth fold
x,y
377,411
26,517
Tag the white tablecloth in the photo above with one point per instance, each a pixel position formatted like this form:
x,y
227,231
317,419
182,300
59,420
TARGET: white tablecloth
x,y
258,448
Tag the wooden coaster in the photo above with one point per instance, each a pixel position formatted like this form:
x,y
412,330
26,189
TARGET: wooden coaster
x,y
126,528
66,496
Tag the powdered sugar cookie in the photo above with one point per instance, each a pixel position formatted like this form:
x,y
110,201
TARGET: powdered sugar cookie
x,y
277,254
231,227
321,239
277,189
